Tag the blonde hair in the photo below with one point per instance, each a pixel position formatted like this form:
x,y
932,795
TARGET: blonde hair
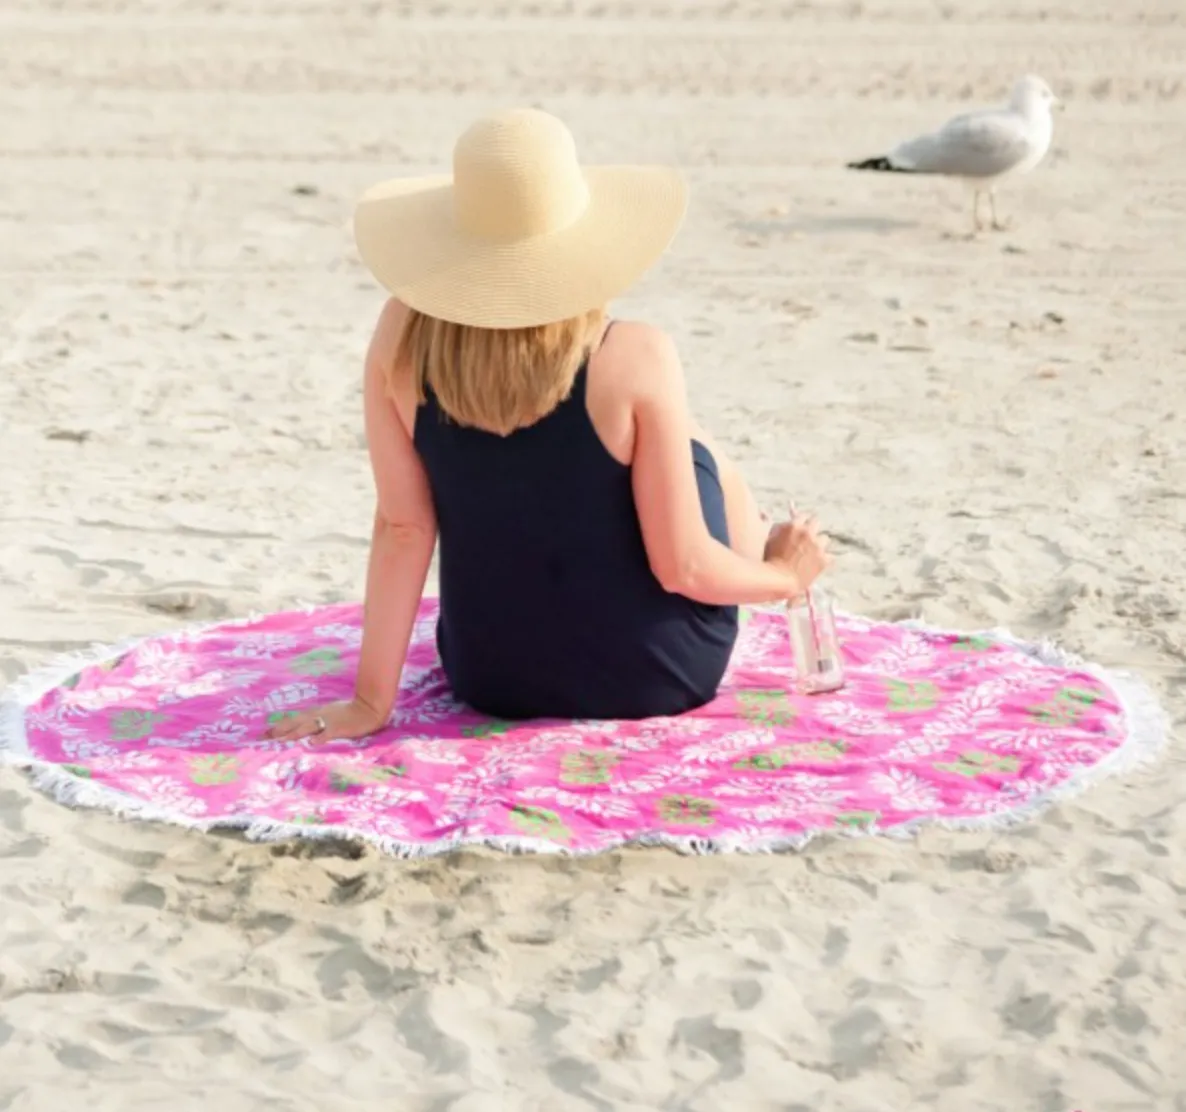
x,y
497,379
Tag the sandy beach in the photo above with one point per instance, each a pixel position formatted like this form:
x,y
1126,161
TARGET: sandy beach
x,y
992,430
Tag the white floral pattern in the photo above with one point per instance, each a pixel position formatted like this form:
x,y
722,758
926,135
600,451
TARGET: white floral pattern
x,y
262,646
124,762
348,635
168,793
82,702
224,734
905,790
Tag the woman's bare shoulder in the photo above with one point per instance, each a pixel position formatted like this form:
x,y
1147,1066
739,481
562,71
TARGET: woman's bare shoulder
x,y
642,357
641,336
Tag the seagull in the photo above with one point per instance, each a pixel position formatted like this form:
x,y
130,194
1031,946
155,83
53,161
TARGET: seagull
x,y
982,148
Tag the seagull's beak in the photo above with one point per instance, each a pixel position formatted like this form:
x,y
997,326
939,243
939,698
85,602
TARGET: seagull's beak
x,y
1058,105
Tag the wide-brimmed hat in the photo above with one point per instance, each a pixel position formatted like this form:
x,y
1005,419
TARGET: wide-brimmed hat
x,y
521,234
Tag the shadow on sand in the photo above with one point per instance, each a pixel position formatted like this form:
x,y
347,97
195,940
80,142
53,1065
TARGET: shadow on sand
x,y
823,225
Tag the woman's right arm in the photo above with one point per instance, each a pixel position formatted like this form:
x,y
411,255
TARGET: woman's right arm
x,y
683,554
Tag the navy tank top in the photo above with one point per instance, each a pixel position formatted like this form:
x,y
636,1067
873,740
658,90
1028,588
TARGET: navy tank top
x,y
549,608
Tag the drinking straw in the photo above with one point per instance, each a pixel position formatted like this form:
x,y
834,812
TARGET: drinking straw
x,y
819,653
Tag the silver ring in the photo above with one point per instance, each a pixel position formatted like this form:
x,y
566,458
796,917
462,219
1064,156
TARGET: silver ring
x,y
320,723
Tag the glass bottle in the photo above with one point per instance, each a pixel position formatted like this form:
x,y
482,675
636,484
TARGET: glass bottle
x,y
815,645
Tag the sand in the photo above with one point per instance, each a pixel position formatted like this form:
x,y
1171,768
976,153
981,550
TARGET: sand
x,y
992,429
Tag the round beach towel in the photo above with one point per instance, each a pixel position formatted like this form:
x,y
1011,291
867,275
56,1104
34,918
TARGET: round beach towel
x,y
931,726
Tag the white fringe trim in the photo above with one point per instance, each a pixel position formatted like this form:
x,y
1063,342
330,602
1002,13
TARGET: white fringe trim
x,y
1146,733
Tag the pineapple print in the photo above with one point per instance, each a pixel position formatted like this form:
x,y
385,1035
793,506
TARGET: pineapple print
x,y
218,768
804,752
317,662
686,810
856,820
911,695
766,708
493,728
135,725
974,763
1064,708
539,822
587,766
345,777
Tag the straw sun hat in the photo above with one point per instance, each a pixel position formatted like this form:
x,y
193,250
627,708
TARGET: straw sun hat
x,y
521,234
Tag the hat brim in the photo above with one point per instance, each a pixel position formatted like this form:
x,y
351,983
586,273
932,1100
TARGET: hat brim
x,y
410,241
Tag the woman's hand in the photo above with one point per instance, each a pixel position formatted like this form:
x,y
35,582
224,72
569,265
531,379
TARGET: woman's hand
x,y
349,718
796,547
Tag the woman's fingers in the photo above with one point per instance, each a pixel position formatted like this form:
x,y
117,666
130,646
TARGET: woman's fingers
x,y
799,543
300,725
289,728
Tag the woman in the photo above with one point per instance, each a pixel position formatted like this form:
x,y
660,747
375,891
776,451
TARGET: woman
x,y
595,543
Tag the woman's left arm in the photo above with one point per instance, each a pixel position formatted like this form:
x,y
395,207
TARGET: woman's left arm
x,y
402,543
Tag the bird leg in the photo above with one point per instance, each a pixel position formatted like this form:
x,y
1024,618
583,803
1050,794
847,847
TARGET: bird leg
x,y
976,225
997,225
